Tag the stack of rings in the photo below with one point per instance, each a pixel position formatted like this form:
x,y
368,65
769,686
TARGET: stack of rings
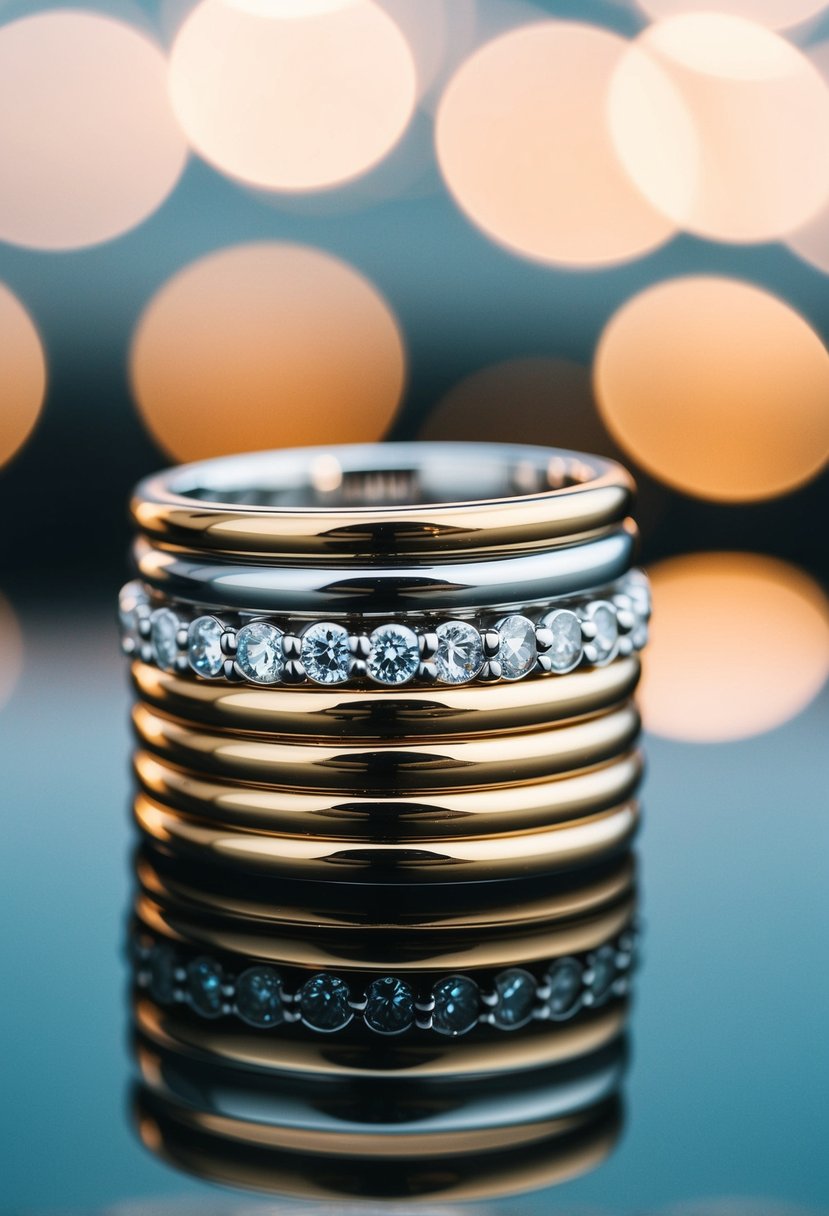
x,y
386,771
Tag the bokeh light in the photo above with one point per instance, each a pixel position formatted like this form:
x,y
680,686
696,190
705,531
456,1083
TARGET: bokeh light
x,y
753,110
287,98
11,646
523,142
717,388
22,375
88,141
778,14
266,345
811,241
739,645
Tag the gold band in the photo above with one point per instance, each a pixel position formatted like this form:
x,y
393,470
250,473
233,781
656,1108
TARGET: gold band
x,y
471,1176
557,847
440,712
356,953
536,1047
388,769
518,499
327,911
419,818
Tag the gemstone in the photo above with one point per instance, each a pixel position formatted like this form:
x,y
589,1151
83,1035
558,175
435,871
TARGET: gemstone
x,y
132,606
515,991
259,654
389,1006
325,653
204,646
394,656
566,645
162,968
164,626
259,997
323,1003
564,981
517,646
204,987
639,635
457,1002
460,653
607,630
638,591
601,972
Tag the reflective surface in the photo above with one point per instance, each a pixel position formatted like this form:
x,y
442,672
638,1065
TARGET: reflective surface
x,y
724,1091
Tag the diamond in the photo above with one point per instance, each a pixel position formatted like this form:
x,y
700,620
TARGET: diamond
x,y
601,973
259,997
132,608
564,982
204,987
606,641
517,647
638,590
164,626
204,646
394,656
457,1002
389,1006
259,654
460,653
323,1003
515,991
566,646
325,653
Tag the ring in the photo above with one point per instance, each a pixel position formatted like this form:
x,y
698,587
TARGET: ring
x,y
399,498
389,769
325,1002
440,711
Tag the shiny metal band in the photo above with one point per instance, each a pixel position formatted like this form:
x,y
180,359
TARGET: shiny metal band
x,y
389,769
440,711
389,499
451,859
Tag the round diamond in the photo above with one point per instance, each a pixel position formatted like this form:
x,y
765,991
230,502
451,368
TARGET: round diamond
x,y
638,590
606,640
162,967
564,982
204,987
259,997
601,967
517,647
394,656
323,1003
259,654
460,653
389,1006
204,646
515,991
325,652
566,646
132,608
164,626
457,1002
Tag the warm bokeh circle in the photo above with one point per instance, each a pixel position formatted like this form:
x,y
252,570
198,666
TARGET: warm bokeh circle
x,y
739,645
286,96
88,141
266,345
22,374
717,388
778,14
524,145
733,157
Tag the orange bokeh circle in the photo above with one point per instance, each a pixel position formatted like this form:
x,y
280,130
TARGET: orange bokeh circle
x,y
22,375
266,345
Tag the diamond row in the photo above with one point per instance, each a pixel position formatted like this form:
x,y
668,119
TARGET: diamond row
x,y
389,1005
450,652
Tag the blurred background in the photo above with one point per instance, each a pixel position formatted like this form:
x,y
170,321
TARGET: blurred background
x,y
600,224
